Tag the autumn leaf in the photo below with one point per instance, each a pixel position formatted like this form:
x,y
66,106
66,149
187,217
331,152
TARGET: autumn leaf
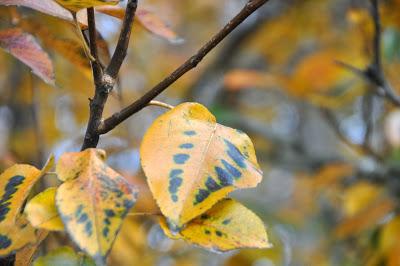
x,y
239,79
25,48
42,213
15,185
16,236
191,162
76,5
64,256
93,201
25,256
45,6
149,20
227,226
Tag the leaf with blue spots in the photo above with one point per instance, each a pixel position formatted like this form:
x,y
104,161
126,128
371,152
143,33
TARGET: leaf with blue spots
x,y
228,225
17,236
213,160
92,202
16,184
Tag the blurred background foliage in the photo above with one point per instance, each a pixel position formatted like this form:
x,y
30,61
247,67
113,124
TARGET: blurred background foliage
x,y
327,198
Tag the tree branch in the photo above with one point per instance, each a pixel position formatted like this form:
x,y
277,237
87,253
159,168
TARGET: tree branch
x,y
123,42
97,68
374,72
192,62
105,80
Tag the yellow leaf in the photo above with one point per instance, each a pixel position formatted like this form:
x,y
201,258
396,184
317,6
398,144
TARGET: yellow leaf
x,y
16,236
365,219
76,5
93,201
15,185
42,213
239,79
358,197
191,162
227,226
64,256
25,256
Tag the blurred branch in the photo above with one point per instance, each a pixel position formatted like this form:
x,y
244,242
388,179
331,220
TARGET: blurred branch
x,y
367,114
117,118
335,125
105,80
374,72
202,90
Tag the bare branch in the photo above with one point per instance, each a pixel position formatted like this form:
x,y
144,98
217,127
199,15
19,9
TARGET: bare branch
x,y
123,42
96,65
192,62
104,82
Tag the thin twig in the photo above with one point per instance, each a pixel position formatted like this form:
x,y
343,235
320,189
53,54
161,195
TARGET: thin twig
x,y
374,73
117,118
96,65
335,125
123,41
367,114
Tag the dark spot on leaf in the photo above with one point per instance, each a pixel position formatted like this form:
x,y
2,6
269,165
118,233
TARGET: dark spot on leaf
x,y
109,213
174,198
207,232
231,169
88,228
174,184
212,185
226,222
204,217
218,233
186,146
190,133
224,177
10,189
5,242
107,221
201,195
235,154
106,231
181,158
83,218
78,210
128,204
175,173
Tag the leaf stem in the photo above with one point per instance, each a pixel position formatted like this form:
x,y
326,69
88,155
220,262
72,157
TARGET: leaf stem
x,y
161,104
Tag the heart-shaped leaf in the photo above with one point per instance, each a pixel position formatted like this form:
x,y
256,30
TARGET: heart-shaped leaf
x,y
93,201
191,162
